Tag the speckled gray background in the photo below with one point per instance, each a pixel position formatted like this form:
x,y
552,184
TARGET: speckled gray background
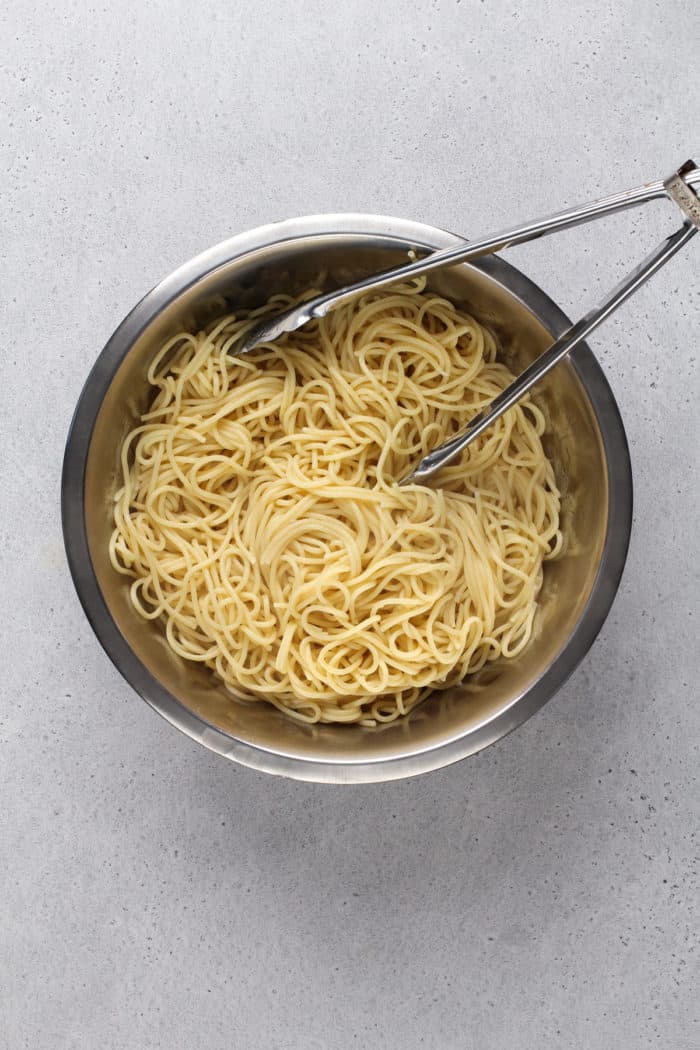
x,y
542,894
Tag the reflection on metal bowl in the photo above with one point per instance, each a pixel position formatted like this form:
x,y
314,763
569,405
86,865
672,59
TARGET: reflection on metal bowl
x,y
586,442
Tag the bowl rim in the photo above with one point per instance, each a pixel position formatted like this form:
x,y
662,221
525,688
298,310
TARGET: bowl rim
x,y
345,770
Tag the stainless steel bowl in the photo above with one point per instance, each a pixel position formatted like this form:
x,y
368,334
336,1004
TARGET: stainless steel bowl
x,y
587,443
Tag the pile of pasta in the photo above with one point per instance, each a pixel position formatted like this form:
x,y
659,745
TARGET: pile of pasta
x,y
261,520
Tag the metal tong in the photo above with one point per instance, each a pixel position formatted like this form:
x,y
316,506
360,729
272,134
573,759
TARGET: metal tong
x,y
678,188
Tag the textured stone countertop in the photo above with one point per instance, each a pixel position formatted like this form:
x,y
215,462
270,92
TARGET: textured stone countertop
x,y
542,894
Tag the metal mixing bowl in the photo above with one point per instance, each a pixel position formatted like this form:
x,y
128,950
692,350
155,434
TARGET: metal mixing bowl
x,y
587,443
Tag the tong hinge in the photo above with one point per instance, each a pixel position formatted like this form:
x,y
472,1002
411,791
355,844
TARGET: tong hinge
x,y
684,196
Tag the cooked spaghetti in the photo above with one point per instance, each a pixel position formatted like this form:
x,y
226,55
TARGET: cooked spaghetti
x,y
262,523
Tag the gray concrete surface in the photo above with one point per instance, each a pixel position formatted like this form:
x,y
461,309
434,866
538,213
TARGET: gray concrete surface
x,y
542,894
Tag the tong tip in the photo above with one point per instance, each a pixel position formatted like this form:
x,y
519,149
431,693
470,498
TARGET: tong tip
x,y
271,328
